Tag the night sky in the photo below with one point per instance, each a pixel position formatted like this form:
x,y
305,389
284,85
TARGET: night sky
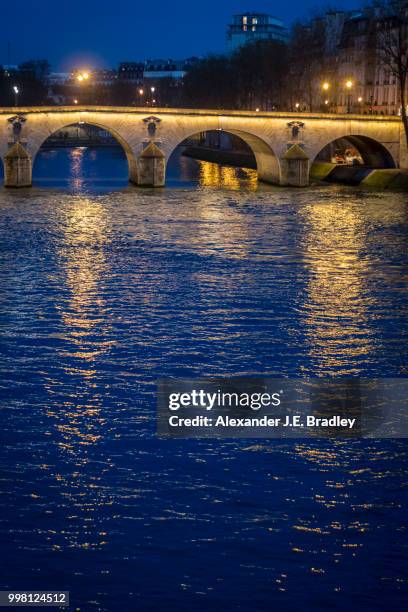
x,y
104,32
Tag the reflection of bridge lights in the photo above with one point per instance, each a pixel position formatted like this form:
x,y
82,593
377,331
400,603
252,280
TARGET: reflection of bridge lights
x,y
76,158
337,301
214,175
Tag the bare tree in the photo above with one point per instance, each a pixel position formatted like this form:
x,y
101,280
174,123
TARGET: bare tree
x,y
392,45
307,62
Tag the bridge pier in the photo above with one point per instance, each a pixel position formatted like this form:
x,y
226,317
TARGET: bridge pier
x,y
17,167
295,167
151,167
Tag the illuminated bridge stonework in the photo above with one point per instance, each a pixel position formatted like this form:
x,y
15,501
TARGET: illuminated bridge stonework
x,y
269,135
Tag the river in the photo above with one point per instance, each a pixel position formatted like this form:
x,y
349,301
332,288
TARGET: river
x,y
106,287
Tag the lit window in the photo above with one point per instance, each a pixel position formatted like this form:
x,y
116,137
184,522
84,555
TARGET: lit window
x,y
255,20
245,20
253,28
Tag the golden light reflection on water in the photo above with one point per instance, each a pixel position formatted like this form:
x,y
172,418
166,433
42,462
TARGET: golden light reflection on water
x,y
78,423
85,266
214,175
76,162
337,298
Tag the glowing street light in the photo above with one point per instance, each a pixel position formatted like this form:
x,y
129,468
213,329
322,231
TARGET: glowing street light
x,y
16,91
360,99
83,76
326,86
141,92
75,101
257,110
297,105
349,85
326,102
152,89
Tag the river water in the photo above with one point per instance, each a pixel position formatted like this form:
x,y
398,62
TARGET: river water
x,y
106,287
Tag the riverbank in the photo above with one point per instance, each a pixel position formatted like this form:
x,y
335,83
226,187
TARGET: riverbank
x,y
238,159
60,143
380,178
393,179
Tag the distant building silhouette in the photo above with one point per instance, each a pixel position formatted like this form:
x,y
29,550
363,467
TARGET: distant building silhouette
x,y
249,27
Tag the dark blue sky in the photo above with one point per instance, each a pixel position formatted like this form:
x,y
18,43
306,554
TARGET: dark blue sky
x,y
103,32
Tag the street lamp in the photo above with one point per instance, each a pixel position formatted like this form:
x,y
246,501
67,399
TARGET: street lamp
x,y
83,76
16,91
297,105
325,88
349,86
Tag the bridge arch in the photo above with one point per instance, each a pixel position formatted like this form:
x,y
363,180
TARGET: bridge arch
x,y
362,150
130,157
267,162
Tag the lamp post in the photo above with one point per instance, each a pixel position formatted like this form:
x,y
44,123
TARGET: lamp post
x,y
349,87
325,88
16,91
360,101
153,89
82,77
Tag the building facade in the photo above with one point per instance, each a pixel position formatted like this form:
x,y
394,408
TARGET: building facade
x,y
250,27
351,75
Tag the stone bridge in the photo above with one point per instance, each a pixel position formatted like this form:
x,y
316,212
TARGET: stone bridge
x,y
284,144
